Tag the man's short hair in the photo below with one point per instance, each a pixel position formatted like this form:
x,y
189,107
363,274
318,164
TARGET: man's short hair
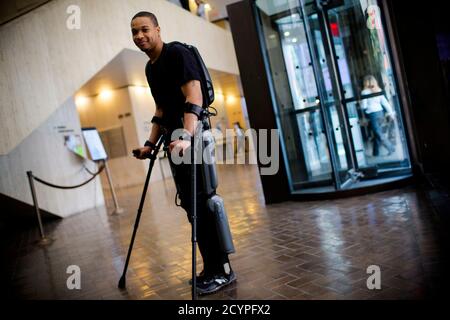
x,y
148,15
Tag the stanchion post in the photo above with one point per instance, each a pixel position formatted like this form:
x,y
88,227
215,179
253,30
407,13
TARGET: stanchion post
x,y
117,209
43,240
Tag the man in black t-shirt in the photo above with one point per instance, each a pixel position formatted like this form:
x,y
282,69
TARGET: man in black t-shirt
x,y
174,79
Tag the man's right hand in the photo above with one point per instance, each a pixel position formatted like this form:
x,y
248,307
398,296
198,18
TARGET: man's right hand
x,y
142,153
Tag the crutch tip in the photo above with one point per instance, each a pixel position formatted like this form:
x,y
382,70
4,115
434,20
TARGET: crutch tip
x,y
122,284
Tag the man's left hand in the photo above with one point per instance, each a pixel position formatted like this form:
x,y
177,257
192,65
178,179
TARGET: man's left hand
x,y
179,146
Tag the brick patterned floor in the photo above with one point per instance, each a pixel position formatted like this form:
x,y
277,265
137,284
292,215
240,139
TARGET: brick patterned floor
x,y
292,250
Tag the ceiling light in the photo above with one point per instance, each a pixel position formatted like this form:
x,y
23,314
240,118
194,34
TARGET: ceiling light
x,y
219,95
105,94
141,89
81,101
231,99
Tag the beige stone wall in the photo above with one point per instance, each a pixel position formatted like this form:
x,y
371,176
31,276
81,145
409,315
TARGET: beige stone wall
x,y
45,153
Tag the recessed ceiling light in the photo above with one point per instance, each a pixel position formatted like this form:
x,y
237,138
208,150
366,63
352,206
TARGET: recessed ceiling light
x,y
81,101
105,94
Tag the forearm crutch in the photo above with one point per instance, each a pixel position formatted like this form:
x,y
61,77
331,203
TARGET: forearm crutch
x,y
152,157
194,216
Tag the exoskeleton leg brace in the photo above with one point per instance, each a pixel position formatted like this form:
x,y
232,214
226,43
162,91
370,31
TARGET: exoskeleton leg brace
x,y
215,202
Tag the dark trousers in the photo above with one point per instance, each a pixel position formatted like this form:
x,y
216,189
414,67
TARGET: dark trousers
x,y
376,120
207,237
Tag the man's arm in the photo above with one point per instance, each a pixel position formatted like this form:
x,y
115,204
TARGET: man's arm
x,y
193,93
155,133
387,106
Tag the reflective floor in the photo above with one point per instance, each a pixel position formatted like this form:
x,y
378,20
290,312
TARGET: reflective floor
x,y
292,250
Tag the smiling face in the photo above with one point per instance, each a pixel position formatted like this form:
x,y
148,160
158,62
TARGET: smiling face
x,y
146,35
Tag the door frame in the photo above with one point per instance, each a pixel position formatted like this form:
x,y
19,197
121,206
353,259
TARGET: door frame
x,y
341,107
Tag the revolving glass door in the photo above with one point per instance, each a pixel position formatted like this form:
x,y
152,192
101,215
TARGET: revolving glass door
x,y
335,92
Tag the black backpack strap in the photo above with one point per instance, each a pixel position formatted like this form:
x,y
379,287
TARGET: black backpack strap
x,y
206,82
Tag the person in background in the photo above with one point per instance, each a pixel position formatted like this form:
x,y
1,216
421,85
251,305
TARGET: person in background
x,y
201,8
239,138
375,109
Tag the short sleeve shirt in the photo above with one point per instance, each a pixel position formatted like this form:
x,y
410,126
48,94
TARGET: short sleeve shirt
x,y
175,66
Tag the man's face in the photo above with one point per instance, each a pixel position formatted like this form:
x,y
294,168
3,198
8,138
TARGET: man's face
x,y
145,35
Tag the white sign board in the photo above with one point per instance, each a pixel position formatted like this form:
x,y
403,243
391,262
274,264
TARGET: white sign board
x,y
94,144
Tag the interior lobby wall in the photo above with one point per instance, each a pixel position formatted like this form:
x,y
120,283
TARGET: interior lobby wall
x,y
118,111
45,154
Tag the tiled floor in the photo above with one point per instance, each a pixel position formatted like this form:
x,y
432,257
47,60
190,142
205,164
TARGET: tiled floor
x,y
293,250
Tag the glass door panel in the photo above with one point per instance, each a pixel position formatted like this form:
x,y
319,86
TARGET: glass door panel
x,y
315,145
368,80
303,139
329,96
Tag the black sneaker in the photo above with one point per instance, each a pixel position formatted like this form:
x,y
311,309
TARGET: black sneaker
x,y
215,283
200,277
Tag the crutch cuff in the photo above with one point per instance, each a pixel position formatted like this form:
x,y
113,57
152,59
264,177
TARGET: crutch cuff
x,y
157,120
193,108
150,144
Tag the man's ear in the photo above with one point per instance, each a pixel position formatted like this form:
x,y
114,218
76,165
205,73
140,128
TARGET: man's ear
x,y
158,28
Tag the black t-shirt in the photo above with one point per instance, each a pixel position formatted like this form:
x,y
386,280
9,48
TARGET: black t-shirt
x,y
175,66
